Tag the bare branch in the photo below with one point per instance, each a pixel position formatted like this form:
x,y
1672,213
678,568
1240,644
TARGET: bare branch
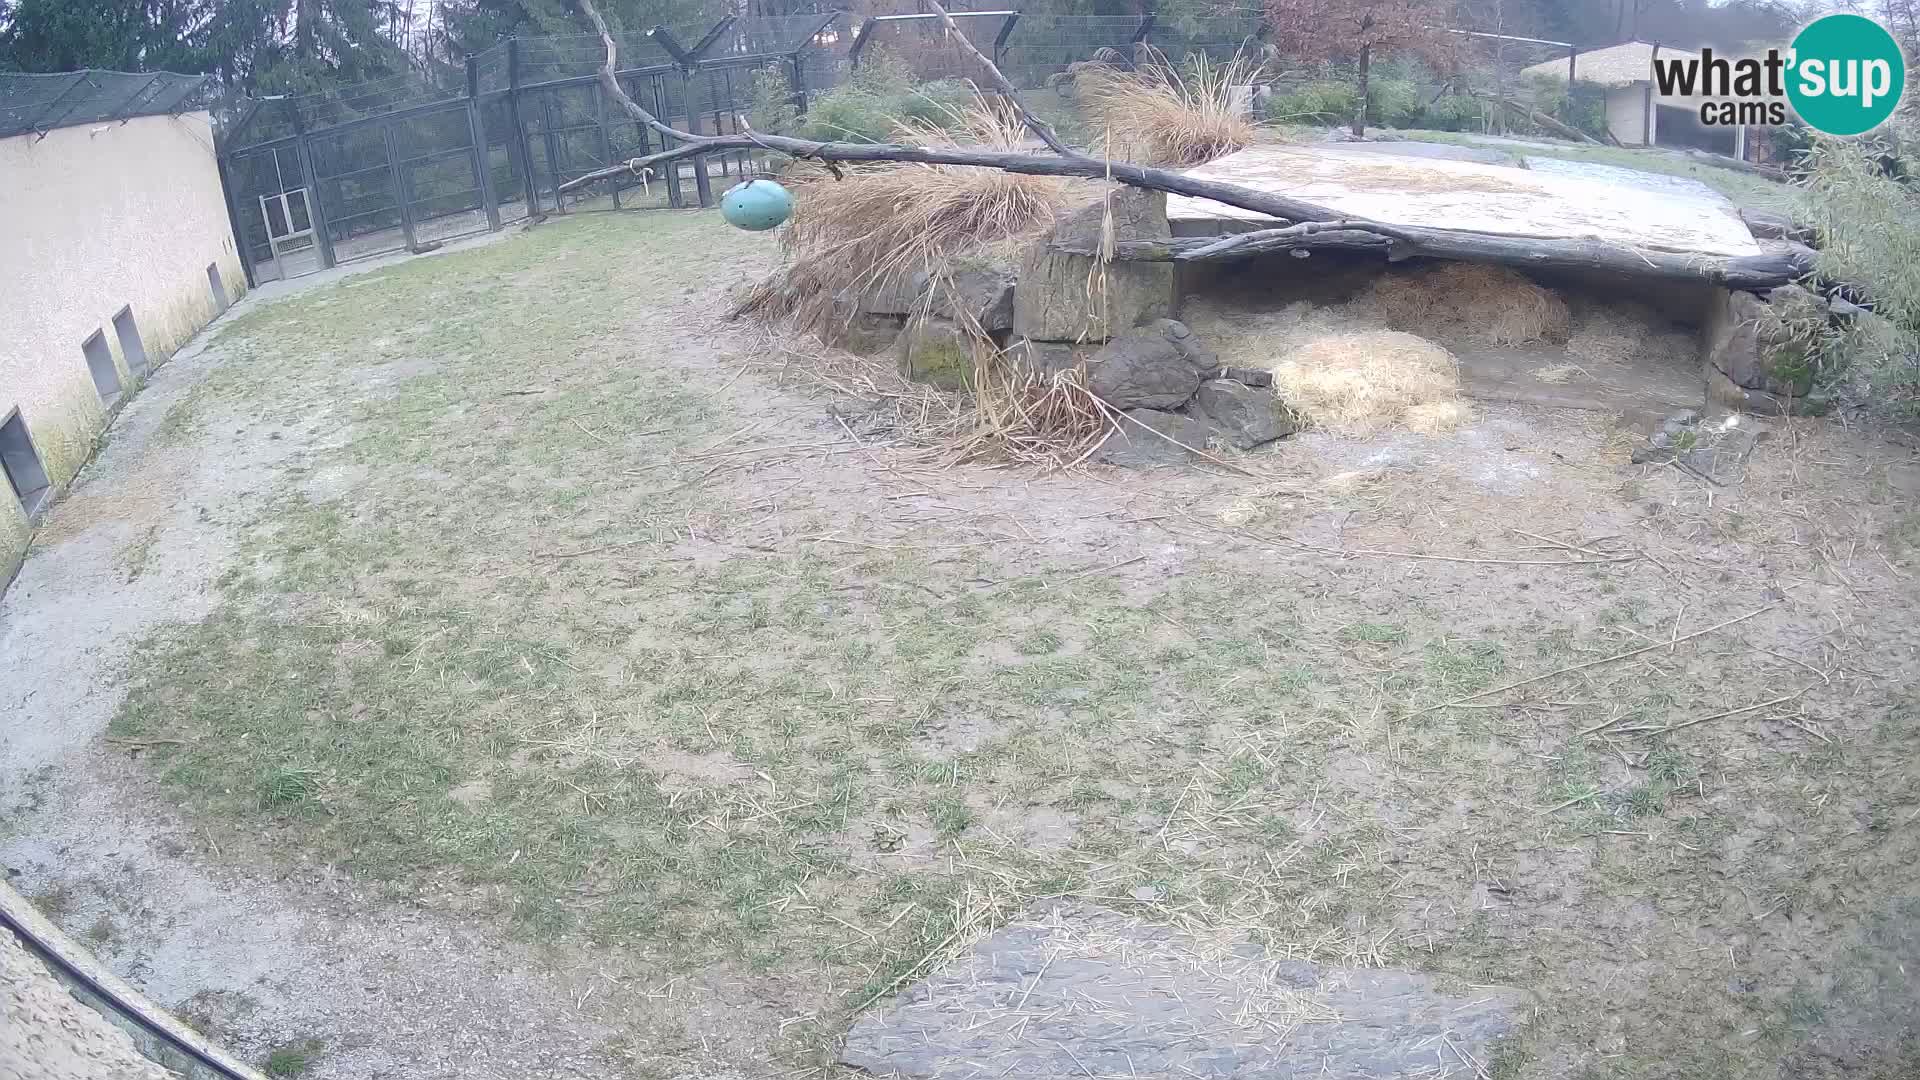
x,y
1303,226
1003,84
607,79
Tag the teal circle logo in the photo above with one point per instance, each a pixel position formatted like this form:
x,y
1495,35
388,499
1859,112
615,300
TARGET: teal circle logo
x,y
1845,74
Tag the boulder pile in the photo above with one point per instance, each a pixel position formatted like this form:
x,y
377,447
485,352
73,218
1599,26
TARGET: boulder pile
x,y
1040,311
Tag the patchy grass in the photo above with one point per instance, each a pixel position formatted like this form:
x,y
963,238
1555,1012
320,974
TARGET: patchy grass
x,y
294,1059
591,650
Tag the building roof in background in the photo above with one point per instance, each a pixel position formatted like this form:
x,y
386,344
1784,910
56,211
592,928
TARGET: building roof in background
x,y
1616,65
41,103
1631,62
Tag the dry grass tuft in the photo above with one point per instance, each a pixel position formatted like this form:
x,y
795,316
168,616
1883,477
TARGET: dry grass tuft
x,y
1052,421
884,224
1159,114
1366,382
1490,303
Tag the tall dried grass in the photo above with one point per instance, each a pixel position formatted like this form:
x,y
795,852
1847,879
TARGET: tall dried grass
x,y
884,224
1158,114
1370,381
1472,300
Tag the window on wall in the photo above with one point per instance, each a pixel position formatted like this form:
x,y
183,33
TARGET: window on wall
x,y
21,463
132,350
219,288
106,377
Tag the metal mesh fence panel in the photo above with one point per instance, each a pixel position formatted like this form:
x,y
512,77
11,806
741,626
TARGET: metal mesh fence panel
x,y
1044,45
921,44
44,102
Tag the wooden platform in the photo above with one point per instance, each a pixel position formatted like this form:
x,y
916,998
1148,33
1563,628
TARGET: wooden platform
x,y
1466,195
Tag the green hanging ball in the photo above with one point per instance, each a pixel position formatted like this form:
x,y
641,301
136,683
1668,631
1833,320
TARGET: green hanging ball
x,y
757,205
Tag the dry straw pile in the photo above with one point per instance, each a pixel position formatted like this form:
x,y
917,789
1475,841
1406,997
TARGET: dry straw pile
x,y
1158,114
1364,382
1468,301
883,224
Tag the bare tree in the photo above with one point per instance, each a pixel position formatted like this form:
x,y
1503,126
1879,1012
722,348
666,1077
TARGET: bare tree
x,y
1356,30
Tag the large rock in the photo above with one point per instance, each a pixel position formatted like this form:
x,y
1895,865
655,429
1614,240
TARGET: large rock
x,y
1145,441
1157,366
1052,302
894,295
1079,990
1244,416
937,351
980,291
1761,344
1768,225
869,334
1726,392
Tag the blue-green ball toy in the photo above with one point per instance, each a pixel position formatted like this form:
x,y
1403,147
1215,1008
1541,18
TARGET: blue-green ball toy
x,y
757,205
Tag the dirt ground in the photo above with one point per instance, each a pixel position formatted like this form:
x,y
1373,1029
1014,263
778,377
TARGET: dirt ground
x,y
495,664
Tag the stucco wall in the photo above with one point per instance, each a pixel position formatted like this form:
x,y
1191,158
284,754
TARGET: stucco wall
x,y
1627,113
95,218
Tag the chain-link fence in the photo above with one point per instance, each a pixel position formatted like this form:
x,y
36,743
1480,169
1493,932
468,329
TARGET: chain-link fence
x,y
400,163
40,103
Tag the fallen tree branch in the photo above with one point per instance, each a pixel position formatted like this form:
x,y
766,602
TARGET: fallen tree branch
x,y
1776,266
1304,225
1540,119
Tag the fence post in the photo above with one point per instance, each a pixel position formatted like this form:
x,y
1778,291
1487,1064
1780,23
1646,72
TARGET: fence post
x,y
675,197
395,174
799,83
317,201
225,164
1000,39
702,187
519,140
553,149
606,138
477,131
1566,107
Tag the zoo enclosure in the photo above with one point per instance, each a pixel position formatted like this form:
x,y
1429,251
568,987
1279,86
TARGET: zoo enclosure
x,y
410,161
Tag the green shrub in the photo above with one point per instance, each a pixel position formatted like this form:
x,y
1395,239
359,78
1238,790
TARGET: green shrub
x,y
770,100
1869,227
870,106
1454,112
1323,102
1583,108
1392,102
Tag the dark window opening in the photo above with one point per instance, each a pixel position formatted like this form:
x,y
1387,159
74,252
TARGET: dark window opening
x,y
132,350
21,463
106,377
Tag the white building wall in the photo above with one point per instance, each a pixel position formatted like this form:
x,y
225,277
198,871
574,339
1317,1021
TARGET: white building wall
x,y
95,218
1627,113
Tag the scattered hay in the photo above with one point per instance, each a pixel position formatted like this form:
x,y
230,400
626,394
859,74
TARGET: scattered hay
x,y
1244,511
1052,421
882,225
1352,480
1489,303
1159,114
1557,374
1361,383
1435,417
